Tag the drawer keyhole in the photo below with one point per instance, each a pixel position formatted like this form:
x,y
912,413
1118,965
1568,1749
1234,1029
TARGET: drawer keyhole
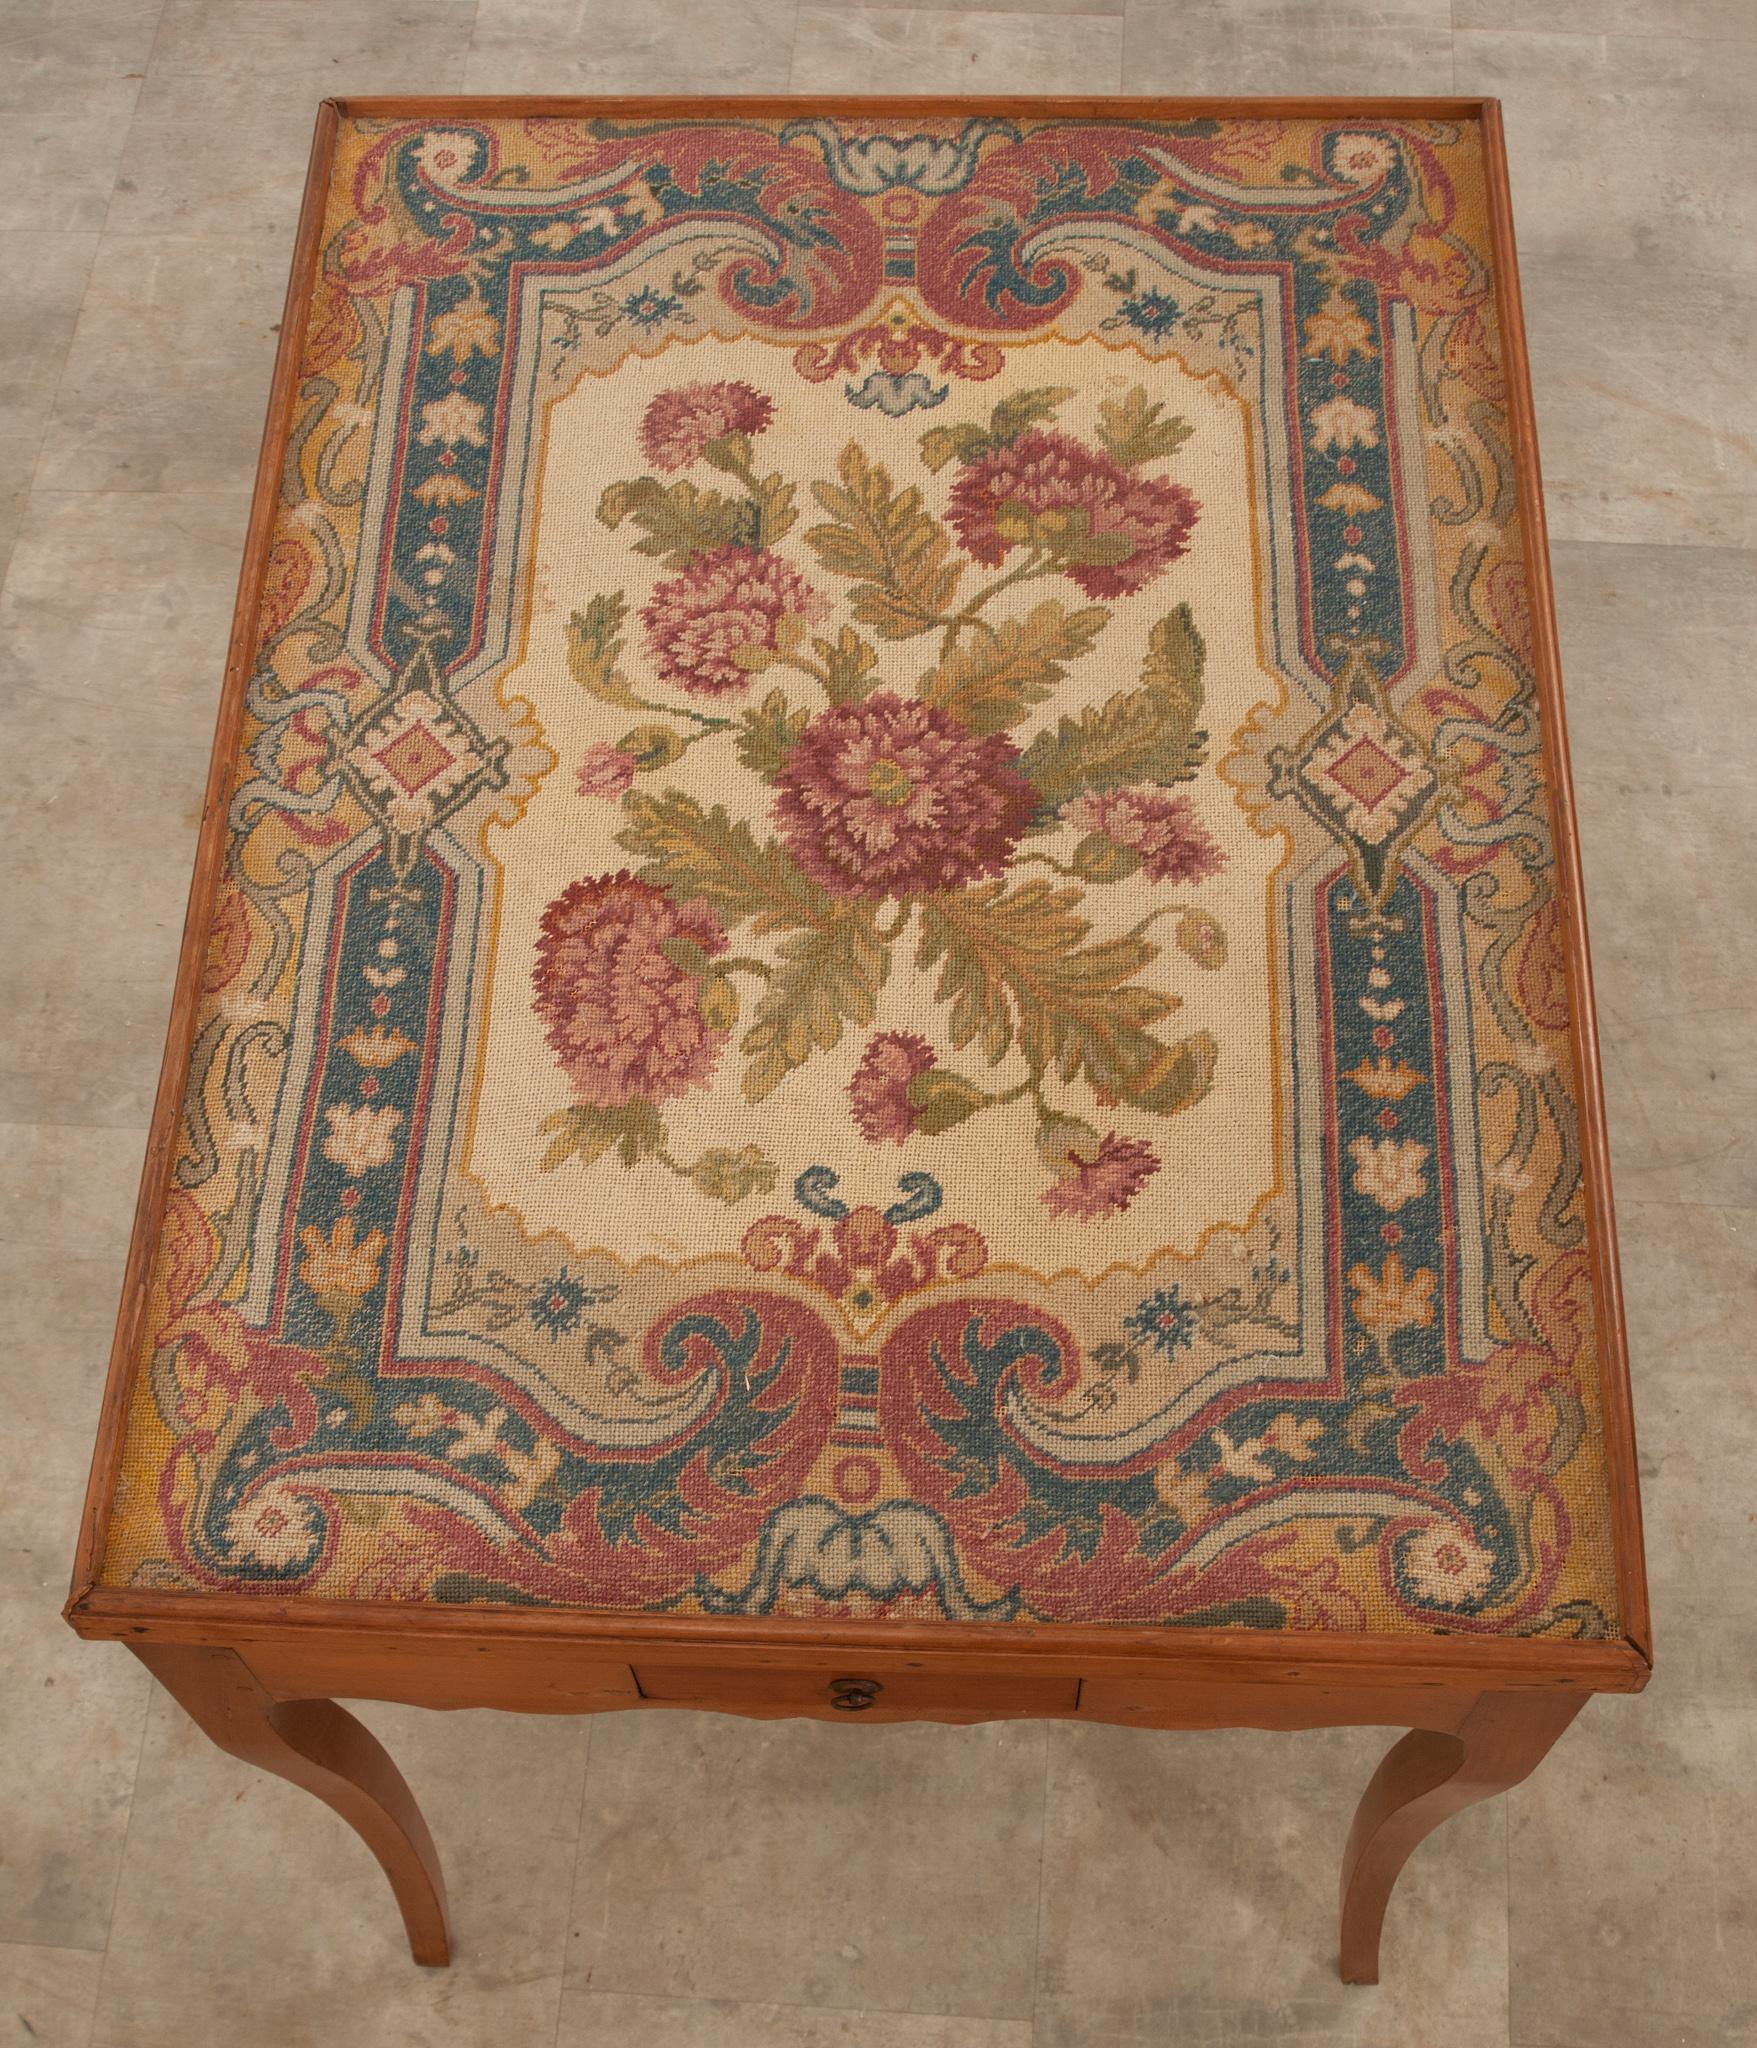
x,y
854,1695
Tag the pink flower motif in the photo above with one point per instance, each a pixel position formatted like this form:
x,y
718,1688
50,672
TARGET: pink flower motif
x,y
889,797
879,1089
605,771
624,1020
680,423
1045,472
1105,1184
1173,843
725,603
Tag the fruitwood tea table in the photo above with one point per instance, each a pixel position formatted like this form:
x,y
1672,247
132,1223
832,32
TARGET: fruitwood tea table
x,y
886,1014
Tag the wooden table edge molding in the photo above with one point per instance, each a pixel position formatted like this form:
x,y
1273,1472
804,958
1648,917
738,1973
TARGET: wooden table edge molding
x,y
259,1674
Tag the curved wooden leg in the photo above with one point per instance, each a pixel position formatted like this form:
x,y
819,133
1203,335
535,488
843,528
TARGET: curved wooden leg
x,y
1426,1779
317,1744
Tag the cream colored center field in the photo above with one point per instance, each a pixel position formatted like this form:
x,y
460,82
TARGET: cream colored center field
x,y
1219,1158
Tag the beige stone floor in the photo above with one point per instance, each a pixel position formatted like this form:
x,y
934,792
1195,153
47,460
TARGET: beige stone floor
x,y
704,1884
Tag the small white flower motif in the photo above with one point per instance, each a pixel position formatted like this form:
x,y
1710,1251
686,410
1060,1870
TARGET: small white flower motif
x,y
594,220
276,1526
1386,1012
1362,158
1446,1569
1244,1460
452,419
478,1436
1203,217
360,1138
446,155
1389,1170
439,559
1342,423
423,1417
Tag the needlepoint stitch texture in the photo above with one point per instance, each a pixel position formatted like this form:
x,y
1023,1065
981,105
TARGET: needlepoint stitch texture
x,y
889,943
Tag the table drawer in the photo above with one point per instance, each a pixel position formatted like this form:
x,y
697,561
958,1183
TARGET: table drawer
x,y
852,1692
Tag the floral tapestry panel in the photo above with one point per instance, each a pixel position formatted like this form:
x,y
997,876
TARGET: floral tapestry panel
x,y
889,942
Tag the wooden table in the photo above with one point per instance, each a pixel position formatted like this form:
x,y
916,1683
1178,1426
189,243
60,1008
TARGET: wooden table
x,y
758,1116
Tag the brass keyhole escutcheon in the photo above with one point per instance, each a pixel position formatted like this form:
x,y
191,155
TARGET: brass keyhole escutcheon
x,y
854,1695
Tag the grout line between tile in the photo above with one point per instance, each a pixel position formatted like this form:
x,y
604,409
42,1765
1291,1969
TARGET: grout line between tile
x,y
1506,1818
673,1998
63,1948
121,1861
1049,1736
573,1882
792,45
54,401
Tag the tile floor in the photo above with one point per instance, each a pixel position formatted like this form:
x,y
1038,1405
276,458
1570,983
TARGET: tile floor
x,y
677,1880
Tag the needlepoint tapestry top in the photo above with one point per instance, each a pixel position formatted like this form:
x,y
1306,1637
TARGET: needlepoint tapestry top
x,y
889,939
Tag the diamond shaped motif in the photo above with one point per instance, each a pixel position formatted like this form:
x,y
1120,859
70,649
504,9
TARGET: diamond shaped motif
x,y
418,758
415,757
1367,774
1370,774
1361,773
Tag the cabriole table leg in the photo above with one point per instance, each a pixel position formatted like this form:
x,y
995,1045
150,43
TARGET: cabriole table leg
x,y
316,1744
1426,1778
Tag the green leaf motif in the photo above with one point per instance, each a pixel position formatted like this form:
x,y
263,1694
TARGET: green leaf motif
x,y
652,746
941,1099
688,956
940,445
677,522
770,731
594,647
850,666
823,979
1147,734
1098,858
771,497
727,1176
1020,954
991,680
1176,1077
1134,431
586,1132
899,555
1017,965
692,852
775,509
1025,409
1176,657
716,997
